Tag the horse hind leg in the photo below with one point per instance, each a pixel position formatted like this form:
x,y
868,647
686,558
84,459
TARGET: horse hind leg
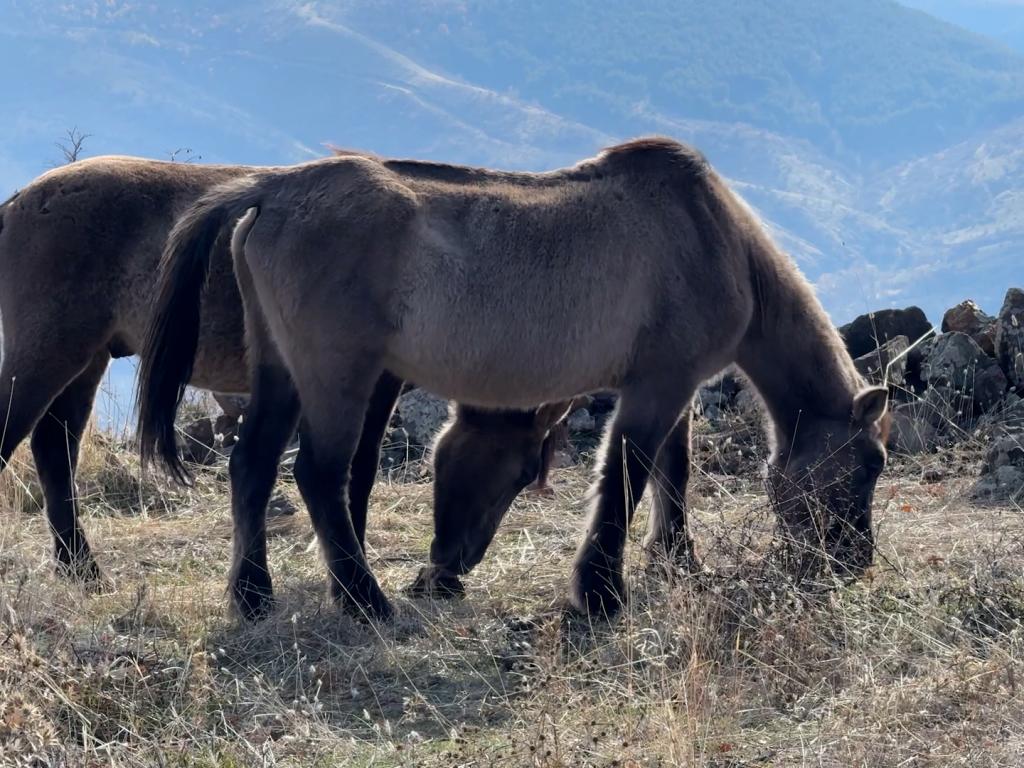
x,y
269,424
56,443
332,420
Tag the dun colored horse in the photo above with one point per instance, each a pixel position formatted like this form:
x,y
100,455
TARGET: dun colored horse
x,y
640,260
79,253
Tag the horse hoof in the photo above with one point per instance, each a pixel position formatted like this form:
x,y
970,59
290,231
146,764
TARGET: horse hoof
x,y
81,569
597,589
253,601
436,583
364,601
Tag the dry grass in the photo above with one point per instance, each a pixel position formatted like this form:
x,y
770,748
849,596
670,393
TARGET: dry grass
x,y
921,663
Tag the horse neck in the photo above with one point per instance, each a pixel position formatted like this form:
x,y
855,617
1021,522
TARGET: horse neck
x,y
791,351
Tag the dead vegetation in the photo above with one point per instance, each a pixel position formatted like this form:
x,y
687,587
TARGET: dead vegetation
x,y
920,663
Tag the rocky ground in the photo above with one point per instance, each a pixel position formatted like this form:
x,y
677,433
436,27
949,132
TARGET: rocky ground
x,y
919,663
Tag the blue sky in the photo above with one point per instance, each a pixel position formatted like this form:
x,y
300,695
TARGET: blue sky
x,y
271,82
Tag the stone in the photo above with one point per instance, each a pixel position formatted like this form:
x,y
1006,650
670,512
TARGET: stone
x,y
708,397
1009,340
967,317
959,371
868,332
396,449
232,405
581,420
910,433
890,357
747,402
198,441
423,414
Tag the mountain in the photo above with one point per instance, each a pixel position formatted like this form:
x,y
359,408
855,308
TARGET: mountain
x,y
1001,20
880,144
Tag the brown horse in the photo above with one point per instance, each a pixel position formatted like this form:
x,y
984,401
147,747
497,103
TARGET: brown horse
x,y
640,260
79,252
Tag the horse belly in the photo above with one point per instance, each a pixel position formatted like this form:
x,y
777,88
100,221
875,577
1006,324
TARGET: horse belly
x,y
493,351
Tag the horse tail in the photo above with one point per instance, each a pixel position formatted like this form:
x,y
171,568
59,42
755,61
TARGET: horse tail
x,y
169,351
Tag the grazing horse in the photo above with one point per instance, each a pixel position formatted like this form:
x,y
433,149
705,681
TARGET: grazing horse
x,y
79,252
641,260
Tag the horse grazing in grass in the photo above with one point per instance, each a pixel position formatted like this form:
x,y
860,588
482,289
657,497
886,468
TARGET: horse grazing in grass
x,y
641,260
79,253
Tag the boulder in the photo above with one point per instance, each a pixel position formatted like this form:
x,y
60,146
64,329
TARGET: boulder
x,y
910,431
1002,474
891,356
959,373
198,441
423,415
396,449
1009,338
967,317
580,420
868,332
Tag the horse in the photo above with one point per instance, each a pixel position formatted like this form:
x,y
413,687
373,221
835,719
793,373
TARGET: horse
x,y
79,251
641,260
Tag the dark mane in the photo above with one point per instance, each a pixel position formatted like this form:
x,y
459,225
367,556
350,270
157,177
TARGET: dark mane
x,y
643,153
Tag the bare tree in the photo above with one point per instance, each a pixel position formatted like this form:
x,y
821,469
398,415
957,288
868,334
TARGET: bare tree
x,y
71,145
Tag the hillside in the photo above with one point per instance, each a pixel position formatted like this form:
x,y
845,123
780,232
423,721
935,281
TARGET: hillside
x,y
881,145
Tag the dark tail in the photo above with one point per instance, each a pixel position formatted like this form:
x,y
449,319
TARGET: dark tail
x,y
170,347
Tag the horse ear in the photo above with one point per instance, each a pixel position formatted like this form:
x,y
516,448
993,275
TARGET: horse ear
x,y
869,405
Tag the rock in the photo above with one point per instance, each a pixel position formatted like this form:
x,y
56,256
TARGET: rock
x,y
198,443
396,449
910,433
868,332
711,398
580,420
1002,474
747,402
890,356
423,415
967,317
603,402
959,372
1009,340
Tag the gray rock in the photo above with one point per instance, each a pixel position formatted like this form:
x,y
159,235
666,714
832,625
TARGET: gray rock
x,y
396,449
198,441
581,420
868,332
959,372
747,402
1002,473
423,415
709,397
1009,341
967,317
890,356
910,433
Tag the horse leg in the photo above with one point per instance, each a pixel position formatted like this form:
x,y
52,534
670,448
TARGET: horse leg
x,y
268,426
639,428
55,448
332,418
367,457
667,535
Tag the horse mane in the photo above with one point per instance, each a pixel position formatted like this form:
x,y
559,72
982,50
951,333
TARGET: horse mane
x,y
649,152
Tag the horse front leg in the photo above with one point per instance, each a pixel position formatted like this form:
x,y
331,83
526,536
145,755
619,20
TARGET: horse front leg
x,y
637,432
667,535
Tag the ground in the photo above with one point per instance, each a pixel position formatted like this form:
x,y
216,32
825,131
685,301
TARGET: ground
x,y
919,663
